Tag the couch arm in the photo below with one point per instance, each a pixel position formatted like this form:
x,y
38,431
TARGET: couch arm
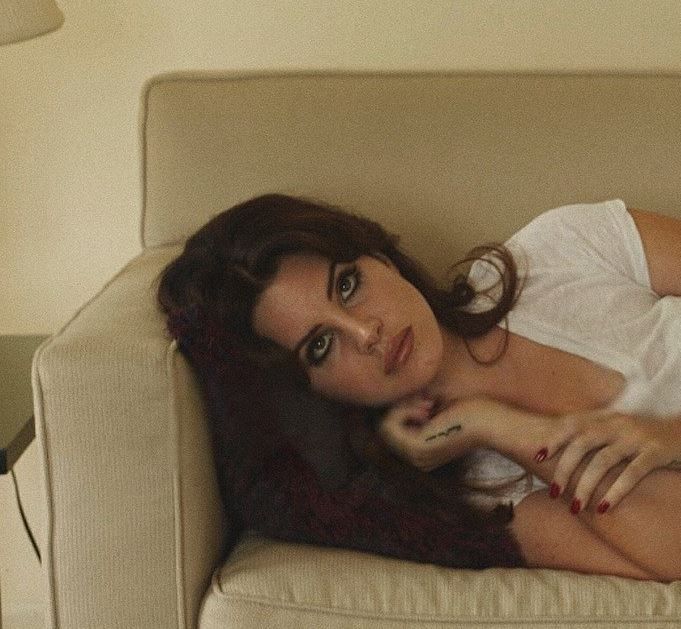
x,y
134,525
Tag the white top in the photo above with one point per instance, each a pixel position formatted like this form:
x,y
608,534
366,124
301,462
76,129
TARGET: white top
x,y
587,291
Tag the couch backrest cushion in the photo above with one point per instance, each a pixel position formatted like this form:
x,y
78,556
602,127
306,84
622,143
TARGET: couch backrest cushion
x,y
447,161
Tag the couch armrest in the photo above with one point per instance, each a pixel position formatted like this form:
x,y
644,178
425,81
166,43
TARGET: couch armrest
x,y
135,525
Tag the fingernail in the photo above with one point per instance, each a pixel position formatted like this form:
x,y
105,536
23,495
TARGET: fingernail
x,y
554,490
541,455
576,506
603,506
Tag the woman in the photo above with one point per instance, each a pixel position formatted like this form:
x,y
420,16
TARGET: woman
x,y
364,325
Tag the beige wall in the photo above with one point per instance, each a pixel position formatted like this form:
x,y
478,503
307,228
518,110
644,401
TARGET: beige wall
x,y
69,187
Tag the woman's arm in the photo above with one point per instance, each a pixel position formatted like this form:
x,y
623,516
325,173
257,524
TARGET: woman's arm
x,y
550,538
644,529
641,536
661,238
608,439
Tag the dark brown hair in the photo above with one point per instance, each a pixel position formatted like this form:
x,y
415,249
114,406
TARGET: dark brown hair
x,y
215,283
237,253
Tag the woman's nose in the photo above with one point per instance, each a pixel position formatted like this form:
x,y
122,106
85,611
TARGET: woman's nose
x,y
367,333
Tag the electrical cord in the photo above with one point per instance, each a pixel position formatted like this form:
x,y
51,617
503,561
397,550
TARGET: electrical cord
x,y
23,518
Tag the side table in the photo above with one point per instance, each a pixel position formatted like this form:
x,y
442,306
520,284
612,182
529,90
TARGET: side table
x,y
17,428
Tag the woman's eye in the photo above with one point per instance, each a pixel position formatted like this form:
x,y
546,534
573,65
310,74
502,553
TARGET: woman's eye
x,y
348,282
318,348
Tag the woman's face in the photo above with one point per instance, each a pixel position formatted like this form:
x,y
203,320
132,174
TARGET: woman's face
x,y
364,334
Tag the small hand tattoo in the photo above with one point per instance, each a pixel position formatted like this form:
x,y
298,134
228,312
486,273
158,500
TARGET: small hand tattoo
x,y
455,427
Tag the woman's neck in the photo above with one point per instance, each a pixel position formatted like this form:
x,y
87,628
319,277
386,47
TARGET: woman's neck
x,y
527,374
469,368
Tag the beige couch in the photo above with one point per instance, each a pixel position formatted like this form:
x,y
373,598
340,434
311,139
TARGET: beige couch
x,y
135,524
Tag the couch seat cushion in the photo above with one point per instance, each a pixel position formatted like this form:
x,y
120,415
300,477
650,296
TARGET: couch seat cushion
x,y
266,583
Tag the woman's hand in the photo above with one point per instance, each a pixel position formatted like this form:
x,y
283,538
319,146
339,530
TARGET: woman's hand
x,y
428,437
642,444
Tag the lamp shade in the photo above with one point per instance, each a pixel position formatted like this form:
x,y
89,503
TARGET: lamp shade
x,y
24,19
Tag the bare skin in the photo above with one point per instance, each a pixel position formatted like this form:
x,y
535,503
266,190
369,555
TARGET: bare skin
x,y
643,530
348,324
538,400
641,538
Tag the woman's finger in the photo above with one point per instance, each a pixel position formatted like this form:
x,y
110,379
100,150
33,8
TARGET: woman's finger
x,y
397,436
598,467
400,426
416,409
423,410
573,455
567,429
632,474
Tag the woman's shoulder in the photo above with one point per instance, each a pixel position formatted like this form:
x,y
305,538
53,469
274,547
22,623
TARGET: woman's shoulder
x,y
578,221
588,238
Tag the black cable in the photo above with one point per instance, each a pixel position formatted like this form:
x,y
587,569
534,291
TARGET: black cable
x,y
23,518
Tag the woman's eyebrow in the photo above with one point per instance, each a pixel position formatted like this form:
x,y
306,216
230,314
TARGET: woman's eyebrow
x,y
329,293
331,282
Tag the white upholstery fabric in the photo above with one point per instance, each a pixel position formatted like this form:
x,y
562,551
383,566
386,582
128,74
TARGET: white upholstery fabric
x,y
270,584
134,519
135,525
447,161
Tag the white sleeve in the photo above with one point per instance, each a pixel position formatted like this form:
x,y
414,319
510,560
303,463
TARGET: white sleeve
x,y
599,236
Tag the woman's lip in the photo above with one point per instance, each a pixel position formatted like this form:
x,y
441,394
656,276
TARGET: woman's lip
x,y
398,351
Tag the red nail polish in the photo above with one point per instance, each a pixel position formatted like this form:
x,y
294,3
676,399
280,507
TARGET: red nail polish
x,y
541,455
554,490
576,506
603,506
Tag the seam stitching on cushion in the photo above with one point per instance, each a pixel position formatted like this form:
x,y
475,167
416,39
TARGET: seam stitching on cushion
x,y
219,76
144,121
174,430
52,604
41,427
272,602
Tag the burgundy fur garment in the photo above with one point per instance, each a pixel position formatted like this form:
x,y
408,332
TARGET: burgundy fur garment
x,y
287,469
